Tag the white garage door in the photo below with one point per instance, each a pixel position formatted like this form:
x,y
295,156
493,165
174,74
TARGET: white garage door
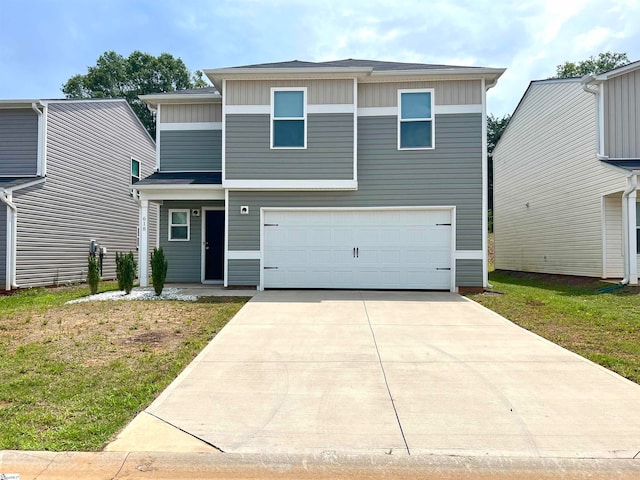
x,y
385,249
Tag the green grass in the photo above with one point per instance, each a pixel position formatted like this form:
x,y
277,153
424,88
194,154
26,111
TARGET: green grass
x,y
604,328
74,375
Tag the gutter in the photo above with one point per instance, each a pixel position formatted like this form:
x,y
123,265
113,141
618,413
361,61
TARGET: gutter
x,y
12,237
628,256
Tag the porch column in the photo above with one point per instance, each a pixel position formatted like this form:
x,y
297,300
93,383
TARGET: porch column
x,y
143,249
633,239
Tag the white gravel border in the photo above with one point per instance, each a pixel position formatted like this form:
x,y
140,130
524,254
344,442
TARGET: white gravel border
x,y
137,294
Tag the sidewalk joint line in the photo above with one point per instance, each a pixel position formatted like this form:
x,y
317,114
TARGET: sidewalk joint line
x,y
384,375
184,431
126,457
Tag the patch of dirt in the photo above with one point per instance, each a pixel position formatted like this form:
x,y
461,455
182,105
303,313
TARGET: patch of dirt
x,y
95,333
535,303
553,279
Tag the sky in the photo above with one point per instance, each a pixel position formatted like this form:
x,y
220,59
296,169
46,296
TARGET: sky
x,y
45,42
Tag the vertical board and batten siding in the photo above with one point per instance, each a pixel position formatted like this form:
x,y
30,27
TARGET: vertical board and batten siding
x,y
622,116
319,92
458,92
548,184
18,142
4,213
86,195
191,113
184,258
328,156
449,175
190,150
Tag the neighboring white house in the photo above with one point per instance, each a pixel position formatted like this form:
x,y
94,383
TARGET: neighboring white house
x,y
565,176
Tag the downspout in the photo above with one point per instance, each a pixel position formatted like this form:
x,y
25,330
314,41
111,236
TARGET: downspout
x,y
628,257
12,241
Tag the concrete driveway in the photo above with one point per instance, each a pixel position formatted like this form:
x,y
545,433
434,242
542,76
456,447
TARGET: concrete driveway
x,y
348,372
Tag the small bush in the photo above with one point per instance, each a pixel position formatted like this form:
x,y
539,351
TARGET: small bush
x,y
93,273
125,271
158,270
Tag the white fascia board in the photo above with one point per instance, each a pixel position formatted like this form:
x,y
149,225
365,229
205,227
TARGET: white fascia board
x,y
182,99
19,103
229,73
190,126
194,194
618,71
279,185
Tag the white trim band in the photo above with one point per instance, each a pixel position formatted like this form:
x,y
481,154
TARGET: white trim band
x,y
247,109
191,126
290,184
243,255
266,109
468,255
377,111
331,108
437,110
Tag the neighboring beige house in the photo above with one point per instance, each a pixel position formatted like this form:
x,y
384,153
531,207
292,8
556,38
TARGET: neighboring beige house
x,y
566,177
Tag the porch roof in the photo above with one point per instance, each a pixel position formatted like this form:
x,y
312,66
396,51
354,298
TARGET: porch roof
x,y
631,164
15,183
160,179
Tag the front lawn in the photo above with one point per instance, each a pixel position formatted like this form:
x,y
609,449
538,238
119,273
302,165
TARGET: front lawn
x,y
74,375
604,328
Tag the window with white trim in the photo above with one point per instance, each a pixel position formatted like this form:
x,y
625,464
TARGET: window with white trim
x,y
288,118
135,171
179,226
415,119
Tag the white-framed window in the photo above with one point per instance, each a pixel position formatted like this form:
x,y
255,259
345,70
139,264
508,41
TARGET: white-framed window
x,y
179,225
289,117
135,171
415,119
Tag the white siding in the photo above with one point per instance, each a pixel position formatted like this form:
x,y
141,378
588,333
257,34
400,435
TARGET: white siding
x,y
549,184
613,231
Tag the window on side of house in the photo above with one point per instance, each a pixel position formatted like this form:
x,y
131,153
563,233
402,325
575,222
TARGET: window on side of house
x,y
415,119
135,171
179,226
288,118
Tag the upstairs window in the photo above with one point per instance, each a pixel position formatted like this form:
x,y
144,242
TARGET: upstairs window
x,y
415,119
288,118
179,225
135,171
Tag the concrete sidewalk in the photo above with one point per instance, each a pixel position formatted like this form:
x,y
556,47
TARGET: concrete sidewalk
x,y
317,373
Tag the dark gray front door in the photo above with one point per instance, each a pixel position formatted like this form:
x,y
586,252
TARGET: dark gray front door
x,y
214,245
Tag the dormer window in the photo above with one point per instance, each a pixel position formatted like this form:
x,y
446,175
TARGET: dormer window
x,y
288,118
415,119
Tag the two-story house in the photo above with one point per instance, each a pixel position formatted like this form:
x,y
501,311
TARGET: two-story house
x,y
566,176
344,174
66,173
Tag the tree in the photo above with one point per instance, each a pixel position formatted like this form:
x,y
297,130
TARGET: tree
x,y
115,76
495,128
593,65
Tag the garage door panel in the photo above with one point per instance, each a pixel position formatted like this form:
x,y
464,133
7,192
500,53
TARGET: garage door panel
x,y
396,249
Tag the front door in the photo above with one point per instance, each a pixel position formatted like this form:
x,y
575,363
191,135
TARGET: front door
x,y
214,245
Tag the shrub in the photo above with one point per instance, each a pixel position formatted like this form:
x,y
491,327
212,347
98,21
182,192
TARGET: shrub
x,y
93,273
125,271
158,270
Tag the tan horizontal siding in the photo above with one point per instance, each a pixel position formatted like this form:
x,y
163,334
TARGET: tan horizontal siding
x,y
319,92
185,113
458,92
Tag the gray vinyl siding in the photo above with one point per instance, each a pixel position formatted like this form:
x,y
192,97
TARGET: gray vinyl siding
x,y
4,211
469,273
86,194
328,156
449,175
18,142
184,258
244,272
190,150
622,116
